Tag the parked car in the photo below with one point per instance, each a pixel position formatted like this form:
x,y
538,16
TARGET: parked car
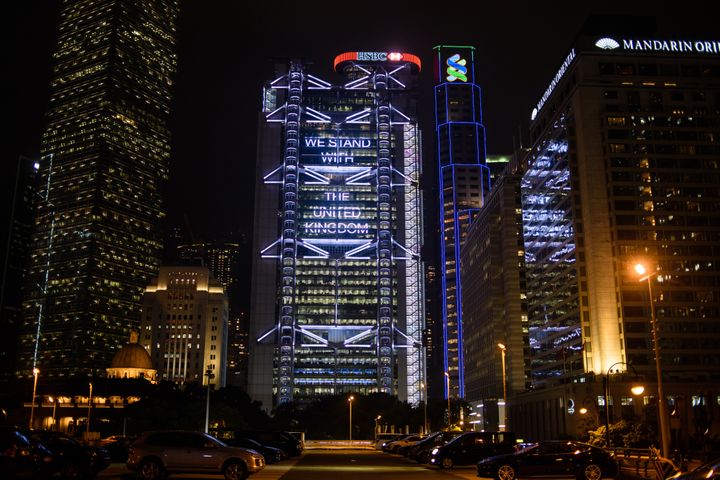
x,y
117,446
70,457
271,454
706,471
383,438
471,447
22,456
421,451
405,447
278,439
385,444
393,446
160,453
551,458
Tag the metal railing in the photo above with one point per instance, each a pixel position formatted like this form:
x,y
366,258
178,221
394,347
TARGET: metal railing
x,y
646,462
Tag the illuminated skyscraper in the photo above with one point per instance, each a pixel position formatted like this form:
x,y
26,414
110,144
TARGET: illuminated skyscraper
x,y
184,325
337,300
105,155
223,260
624,169
464,181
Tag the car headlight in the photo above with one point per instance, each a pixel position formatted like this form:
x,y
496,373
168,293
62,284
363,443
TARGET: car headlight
x,y
435,450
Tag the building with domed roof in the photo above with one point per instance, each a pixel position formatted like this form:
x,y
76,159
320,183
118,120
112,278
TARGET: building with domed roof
x,y
132,361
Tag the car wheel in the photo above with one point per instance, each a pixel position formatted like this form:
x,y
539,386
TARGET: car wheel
x,y
591,472
447,463
235,471
151,469
505,472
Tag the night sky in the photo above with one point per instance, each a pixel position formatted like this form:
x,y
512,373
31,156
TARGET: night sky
x,y
227,51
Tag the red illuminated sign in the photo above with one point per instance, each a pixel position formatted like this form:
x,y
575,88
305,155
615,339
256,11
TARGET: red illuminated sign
x,y
377,57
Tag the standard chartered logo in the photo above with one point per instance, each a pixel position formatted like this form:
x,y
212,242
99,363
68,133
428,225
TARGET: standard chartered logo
x,y
456,68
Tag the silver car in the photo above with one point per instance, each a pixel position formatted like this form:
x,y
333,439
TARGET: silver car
x,y
159,453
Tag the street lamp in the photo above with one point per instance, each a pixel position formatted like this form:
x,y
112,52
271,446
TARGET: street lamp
x,y
662,408
54,401
350,400
447,379
425,424
584,409
36,373
635,389
87,427
210,376
502,348
377,425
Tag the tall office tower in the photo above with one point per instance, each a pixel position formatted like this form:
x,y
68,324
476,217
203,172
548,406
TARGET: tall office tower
x,y
237,350
624,169
494,304
464,181
184,325
223,260
104,159
220,257
337,299
22,212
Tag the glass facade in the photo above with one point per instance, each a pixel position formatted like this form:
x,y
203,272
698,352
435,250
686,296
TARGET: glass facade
x,y
349,279
550,256
105,157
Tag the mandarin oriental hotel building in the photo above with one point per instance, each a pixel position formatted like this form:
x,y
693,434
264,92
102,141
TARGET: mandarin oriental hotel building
x,y
624,171
337,294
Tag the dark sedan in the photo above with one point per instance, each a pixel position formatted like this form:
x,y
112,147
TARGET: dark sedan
x,y
21,456
71,458
117,446
421,451
271,454
551,458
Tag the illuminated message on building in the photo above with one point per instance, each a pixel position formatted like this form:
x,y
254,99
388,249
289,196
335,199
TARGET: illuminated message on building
x,y
337,203
338,150
556,79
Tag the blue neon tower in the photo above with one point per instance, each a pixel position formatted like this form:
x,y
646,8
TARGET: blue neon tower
x,y
464,181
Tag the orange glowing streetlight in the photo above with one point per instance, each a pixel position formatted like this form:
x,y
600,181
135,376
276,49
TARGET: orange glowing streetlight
x,y
662,407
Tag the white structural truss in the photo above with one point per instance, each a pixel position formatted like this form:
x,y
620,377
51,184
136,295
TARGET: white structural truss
x,y
414,291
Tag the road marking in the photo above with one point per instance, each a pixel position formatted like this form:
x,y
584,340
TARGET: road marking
x,y
276,470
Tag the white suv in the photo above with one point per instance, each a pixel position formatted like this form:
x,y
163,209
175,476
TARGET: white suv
x,y
159,453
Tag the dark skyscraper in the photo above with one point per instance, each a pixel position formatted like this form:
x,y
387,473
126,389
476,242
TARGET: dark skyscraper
x,y
24,197
105,155
464,180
